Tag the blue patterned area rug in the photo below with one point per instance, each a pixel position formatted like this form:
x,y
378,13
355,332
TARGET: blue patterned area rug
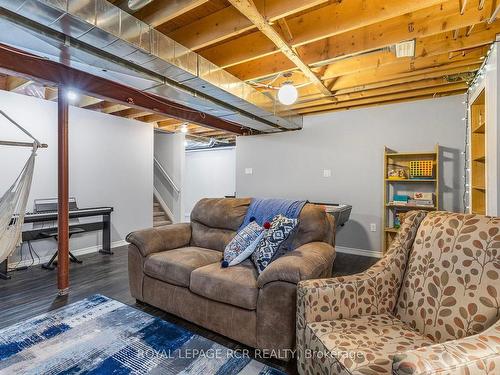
x,y
102,336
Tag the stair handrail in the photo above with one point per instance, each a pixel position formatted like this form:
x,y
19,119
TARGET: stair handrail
x,y
166,175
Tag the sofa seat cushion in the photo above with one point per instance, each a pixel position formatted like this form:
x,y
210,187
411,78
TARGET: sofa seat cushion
x,y
363,345
175,266
236,285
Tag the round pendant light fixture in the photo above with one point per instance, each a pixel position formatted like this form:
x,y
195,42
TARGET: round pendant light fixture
x,y
287,94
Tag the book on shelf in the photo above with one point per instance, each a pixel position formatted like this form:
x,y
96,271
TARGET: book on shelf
x,y
420,202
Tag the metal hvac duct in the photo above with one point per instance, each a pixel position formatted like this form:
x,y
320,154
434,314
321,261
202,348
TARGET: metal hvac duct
x,y
98,30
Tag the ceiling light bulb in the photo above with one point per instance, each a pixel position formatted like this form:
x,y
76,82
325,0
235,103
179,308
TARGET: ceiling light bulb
x,y
184,128
72,95
137,4
287,94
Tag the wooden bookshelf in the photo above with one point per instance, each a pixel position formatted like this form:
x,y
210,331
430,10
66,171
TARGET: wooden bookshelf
x,y
406,186
478,155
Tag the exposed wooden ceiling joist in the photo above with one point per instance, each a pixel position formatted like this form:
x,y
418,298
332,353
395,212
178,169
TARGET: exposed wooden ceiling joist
x,y
131,113
378,92
361,40
431,73
452,88
160,11
386,63
329,21
229,22
248,8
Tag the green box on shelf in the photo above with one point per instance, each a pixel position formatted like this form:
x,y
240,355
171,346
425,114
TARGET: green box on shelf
x,y
400,198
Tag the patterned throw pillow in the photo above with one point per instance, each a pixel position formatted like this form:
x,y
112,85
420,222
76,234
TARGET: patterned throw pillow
x,y
273,239
243,244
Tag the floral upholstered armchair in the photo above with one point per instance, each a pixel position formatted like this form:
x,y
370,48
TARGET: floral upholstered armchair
x,y
431,305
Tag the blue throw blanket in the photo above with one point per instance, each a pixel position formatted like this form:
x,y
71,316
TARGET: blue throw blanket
x,y
266,209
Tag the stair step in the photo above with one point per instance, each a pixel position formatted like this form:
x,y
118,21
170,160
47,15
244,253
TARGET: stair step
x,y
156,204
161,223
158,213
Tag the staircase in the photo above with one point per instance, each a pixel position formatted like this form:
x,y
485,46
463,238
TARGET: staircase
x,y
160,218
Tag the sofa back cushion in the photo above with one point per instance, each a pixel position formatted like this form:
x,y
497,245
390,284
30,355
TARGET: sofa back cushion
x,y
214,221
315,225
450,288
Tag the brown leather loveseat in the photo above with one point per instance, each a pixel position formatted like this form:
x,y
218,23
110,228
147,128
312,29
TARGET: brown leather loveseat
x,y
177,269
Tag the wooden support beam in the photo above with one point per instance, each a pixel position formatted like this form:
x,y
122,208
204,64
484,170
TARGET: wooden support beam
x,y
87,100
131,113
463,5
160,11
391,89
380,75
151,118
248,9
34,67
353,33
425,46
382,101
428,74
455,88
494,15
62,195
285,30
229,22
3,82
17,83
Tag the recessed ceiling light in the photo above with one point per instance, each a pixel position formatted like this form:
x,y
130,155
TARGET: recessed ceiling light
x,y
184,128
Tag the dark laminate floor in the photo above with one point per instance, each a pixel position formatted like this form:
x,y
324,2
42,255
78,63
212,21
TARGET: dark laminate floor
x,y
33,291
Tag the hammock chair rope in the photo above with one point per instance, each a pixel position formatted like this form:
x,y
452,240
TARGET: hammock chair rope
x,y
14,200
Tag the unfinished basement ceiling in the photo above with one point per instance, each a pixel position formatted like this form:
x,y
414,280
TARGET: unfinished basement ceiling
x,y
349,45
197,135
103,40
346,47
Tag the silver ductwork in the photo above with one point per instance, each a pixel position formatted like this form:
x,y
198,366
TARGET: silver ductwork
x,y
98,31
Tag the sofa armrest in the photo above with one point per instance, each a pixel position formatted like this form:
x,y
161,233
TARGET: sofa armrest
x,y
168,237
470,355
309,261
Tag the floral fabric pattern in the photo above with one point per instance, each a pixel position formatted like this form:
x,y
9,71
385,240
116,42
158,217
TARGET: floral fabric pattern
x,y
451,286
371,292
477,354
363,345
438,284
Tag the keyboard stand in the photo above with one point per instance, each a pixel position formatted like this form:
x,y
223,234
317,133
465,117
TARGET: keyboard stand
x,y
4,268
52,263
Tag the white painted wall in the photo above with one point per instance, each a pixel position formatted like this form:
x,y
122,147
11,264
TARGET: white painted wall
x,y
169,151
110,164
208,173
351,144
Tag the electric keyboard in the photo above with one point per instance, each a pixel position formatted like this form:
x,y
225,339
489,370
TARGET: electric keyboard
x,y
33,217
42,224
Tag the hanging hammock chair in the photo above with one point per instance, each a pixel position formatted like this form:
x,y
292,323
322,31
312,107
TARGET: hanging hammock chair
x,y
13,202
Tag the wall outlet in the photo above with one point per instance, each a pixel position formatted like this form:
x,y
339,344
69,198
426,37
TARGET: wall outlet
x,y
248,170
327,172
373,227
